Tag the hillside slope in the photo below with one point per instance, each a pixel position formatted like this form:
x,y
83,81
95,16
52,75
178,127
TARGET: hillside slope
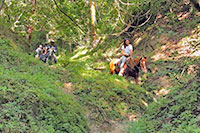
x,y
173,50
167,99
79,95
31,96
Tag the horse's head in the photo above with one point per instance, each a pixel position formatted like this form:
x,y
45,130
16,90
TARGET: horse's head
x,y
140,62
143,64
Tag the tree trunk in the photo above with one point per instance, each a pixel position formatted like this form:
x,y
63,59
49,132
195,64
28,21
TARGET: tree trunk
x,y
93,22
1,6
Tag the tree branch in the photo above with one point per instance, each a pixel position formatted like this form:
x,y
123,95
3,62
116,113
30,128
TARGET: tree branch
x,y
1,6
124,30
68,16
128,4
131,26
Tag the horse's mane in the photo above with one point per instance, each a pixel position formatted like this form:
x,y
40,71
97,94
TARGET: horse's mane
x,y
133,62
137,60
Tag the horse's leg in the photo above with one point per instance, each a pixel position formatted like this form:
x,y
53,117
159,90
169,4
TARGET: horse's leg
x,y
54,58
136,78
46,59
111,72
124,69
126,77
117,70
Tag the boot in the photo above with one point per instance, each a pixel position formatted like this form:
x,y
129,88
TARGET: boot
x,y
121,72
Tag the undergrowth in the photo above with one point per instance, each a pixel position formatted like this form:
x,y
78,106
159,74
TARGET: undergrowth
x,y
177,112
31,99
107,97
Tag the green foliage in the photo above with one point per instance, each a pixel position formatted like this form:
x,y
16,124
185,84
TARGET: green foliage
x,y
106,96
30,92
31,98
111,17
176,112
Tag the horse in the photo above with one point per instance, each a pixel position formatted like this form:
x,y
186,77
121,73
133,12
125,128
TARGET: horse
x,y
114,66
51,56
132,67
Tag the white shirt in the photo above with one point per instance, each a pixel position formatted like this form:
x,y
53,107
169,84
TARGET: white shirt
x,y
128,49
38,50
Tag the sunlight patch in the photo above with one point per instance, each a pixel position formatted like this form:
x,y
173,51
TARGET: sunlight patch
x,y
161,92
80,52
186,47
85,58
109,53
159,56
117,80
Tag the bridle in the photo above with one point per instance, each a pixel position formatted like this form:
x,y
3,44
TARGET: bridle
x,y
143,64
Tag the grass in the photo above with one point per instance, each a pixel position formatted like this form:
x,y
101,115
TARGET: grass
x,y
32,99
31,96
176,112
109,97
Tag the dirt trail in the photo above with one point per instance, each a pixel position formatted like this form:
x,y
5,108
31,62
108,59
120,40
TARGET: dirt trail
x,y
116,127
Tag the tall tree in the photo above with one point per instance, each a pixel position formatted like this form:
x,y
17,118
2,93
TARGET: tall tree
x,y
93,21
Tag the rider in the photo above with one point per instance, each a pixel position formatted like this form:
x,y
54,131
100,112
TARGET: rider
x,y
53,46
38,51
46,47
44,54
127,51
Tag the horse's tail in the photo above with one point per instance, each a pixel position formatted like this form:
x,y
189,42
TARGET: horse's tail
x,y
112,67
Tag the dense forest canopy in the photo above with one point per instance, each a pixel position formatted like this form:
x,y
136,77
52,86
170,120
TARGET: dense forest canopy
x,y
71,20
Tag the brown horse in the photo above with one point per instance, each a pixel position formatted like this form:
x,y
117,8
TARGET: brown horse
x,y
132,67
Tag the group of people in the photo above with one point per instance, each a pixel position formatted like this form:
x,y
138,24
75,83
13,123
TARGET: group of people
x,y
46,51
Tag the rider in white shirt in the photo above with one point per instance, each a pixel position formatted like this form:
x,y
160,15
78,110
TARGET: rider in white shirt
x,y
127,51
38,51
